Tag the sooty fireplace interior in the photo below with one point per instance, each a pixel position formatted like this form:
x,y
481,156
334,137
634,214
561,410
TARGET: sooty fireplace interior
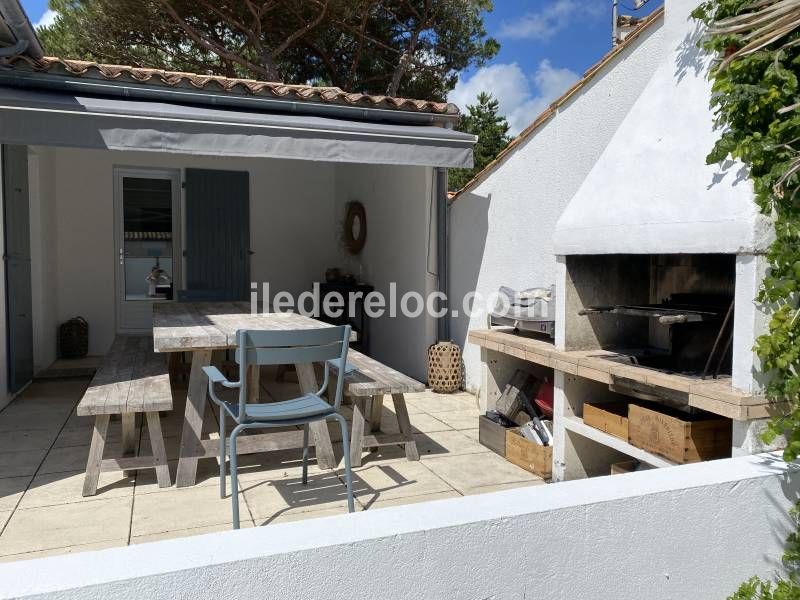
x,y
672,312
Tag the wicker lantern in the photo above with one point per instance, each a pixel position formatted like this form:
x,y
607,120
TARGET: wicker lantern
x,y
444,367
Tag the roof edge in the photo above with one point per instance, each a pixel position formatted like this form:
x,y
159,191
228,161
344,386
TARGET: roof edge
x,y
545,116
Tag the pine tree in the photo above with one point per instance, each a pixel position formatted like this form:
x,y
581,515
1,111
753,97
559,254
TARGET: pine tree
x,y
483,119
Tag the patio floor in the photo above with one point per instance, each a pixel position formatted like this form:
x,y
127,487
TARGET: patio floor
x,y
44,446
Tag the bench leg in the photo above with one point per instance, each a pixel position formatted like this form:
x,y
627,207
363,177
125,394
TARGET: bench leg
x,y
129,437
322,436
404,425
191,446
95,455
376,413
357,435
159,452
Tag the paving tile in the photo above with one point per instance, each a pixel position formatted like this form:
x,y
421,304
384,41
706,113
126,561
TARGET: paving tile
x,y
420,423
458,419
67,550
446,442
442,403
413,499
52,489
5,515
477,470
18,464
27,439
289,516
81,436
503,486
274,497
193,531
374,483
472,434
74,524
181,508
11,490
70,458
431,444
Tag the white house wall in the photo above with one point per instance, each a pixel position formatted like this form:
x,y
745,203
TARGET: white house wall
x,y
291,231
501,230
651,192
400,248
297,211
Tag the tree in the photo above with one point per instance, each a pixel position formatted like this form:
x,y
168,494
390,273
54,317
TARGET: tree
x,y
412,48
485,121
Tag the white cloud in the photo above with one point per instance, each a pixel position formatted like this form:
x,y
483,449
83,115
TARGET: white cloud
x,y
557,15
522,97
47,19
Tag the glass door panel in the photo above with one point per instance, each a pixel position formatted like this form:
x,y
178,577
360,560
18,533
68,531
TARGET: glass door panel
x,y
148,245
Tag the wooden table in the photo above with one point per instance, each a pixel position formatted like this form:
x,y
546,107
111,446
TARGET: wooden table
x,y
202,327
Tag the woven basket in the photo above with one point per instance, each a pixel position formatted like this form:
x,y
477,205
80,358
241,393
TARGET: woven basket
x,y
444,367
73,338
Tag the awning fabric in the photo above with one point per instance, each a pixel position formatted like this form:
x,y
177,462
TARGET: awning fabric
x,y
61,119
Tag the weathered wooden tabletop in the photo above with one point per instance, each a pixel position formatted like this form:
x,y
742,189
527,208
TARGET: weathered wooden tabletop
x,y
187,326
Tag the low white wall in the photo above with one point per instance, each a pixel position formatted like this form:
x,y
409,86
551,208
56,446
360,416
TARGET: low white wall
x,y
400,249
695,531
501,229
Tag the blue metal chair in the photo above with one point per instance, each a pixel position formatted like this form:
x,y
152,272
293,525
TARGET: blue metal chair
x,y
256,348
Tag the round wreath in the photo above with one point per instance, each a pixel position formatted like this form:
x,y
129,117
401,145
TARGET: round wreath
x,y
356,216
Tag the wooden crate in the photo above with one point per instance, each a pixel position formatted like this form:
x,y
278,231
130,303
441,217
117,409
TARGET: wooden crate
x,y
611,417
629,466
529,455
492,435
678,436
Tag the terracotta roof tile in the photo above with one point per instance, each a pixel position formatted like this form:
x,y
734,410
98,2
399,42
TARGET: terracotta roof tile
x,y
160,77
556,104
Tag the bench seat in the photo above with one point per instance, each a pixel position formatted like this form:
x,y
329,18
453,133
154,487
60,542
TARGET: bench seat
x,y
131,379
366,382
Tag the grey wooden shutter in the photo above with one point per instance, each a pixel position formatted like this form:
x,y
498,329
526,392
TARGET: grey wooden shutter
x,y
17,257
218,232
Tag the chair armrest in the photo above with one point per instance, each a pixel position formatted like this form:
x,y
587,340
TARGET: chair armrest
x,y
336,363
214,376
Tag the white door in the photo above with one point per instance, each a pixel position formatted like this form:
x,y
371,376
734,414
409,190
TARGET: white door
x,y
146,204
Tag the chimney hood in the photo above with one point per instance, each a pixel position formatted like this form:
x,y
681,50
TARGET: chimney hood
x,y
651,191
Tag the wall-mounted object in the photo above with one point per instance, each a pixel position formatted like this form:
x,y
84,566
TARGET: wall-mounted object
x,y
355,227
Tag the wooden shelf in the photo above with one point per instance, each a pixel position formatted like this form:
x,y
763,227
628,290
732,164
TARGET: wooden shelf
x,y
576,425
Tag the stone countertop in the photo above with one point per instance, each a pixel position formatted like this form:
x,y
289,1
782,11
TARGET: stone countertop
x,y
714,395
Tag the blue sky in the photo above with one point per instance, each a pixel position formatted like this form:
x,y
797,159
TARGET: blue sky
x,y
545,46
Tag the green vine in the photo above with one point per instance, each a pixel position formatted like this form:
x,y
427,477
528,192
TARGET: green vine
x,y
755,99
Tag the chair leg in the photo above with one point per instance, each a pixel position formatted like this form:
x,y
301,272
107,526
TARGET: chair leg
x,y
221,453
234,477
305,454
348,472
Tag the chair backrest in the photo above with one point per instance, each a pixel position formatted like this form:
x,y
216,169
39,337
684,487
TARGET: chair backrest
x,y
259,347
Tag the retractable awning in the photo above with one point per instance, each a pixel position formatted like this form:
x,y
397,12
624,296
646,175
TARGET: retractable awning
x,y
39,117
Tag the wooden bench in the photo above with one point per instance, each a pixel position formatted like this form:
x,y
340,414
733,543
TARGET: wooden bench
x,y
366,385
131,379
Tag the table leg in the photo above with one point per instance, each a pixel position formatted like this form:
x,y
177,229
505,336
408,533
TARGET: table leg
x,y
129,438
322,437
376,413
191,447
253,384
